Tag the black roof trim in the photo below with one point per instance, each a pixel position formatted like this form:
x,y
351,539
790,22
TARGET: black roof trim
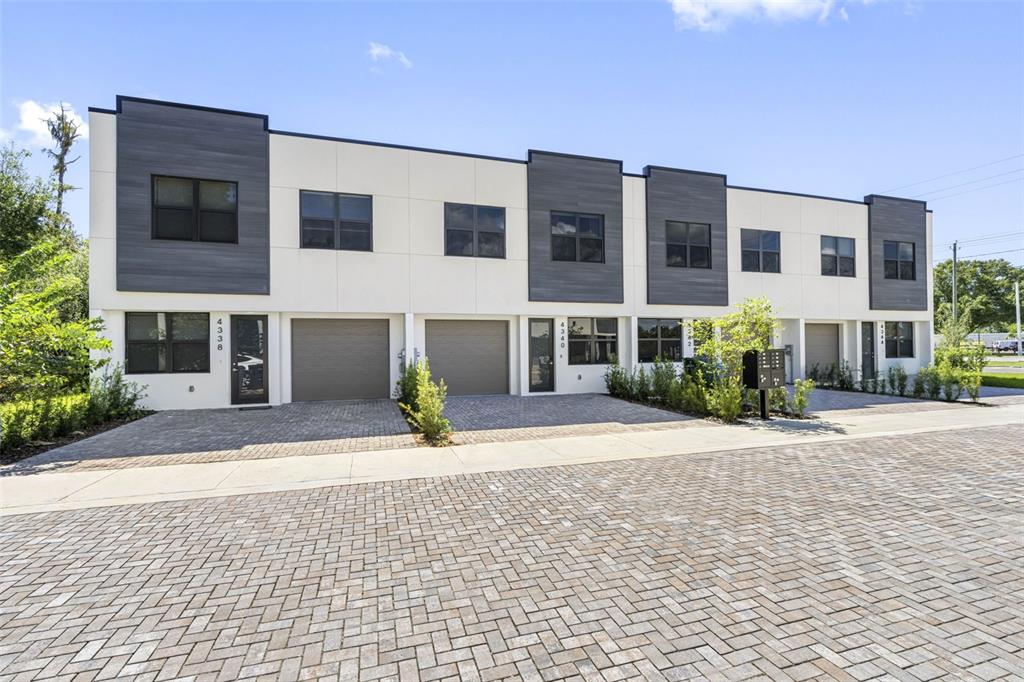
x,y
633,175
565,155
101,110
670,169
194,107
868,198
390,145
797,194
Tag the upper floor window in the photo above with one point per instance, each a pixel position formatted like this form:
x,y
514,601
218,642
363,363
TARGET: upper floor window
x,y
899,339
593,340
837,256
577,237
761,250
900,260
659,339
188,209
167,342
474,231
687,245
336,221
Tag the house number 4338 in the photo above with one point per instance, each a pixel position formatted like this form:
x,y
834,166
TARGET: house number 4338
x,y
220,333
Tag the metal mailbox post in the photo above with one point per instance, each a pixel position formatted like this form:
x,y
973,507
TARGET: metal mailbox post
x,y
763,370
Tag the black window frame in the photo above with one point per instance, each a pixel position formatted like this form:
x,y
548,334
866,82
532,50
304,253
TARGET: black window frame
x,y
168,343
476,230
576,236
688,245
197,209
338,221
838,259
899,259
659,340
593,341
760,250
898,337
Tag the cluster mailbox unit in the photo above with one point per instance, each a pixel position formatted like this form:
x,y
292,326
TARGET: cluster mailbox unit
x,y
764,370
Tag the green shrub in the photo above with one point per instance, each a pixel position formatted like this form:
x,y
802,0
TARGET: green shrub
x,y
897,380
918,388
880,385
971,382
640,386
949,378
676,398
725,398
111,397
428,413
405,387
694,393
616,380
777,398
663,377
932,383
25,421
844,379
801,395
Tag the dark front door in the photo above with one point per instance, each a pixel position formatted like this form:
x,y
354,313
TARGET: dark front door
x,y
542,356
867,350
248,359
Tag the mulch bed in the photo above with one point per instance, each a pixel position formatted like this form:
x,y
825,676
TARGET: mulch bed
x,y
38,447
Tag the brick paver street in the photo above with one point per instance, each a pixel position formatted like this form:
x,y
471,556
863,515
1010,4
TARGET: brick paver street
x,y
898,556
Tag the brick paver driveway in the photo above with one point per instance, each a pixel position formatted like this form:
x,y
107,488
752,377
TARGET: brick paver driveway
x,y
494,418
187,436
897,556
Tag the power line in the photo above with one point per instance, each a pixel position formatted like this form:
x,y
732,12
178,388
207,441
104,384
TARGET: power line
x,y
969,182
939,177
976,189
1004,236
992,253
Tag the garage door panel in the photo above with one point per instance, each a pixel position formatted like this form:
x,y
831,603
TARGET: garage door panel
x,y
822,341
340,359
470,355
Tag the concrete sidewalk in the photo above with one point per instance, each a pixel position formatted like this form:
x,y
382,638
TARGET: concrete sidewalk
x,y
78,490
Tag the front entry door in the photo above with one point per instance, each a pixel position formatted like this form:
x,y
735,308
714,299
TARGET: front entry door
x,y
867,350
542,356
248,359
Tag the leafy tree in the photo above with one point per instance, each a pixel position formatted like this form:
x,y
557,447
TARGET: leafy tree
x,y
986,286
25,214
64,131
44,352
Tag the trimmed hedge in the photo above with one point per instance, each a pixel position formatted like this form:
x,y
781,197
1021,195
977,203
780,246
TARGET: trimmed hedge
x,y
45,418
1003,380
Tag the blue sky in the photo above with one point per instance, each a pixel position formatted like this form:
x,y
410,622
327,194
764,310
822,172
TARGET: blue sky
x,y
817,96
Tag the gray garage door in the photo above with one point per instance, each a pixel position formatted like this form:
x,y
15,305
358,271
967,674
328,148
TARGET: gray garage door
x,y
340,359
470,355
822,346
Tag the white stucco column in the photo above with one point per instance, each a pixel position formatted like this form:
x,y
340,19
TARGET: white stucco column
x,y
409,339
631,360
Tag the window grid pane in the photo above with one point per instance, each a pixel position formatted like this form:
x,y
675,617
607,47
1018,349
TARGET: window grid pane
x,y
577,237
592,340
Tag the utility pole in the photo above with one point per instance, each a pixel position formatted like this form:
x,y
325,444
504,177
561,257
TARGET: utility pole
x,y
1016,295
954,282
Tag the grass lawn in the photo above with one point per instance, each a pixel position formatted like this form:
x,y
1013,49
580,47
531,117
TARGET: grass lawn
x,y
1003,380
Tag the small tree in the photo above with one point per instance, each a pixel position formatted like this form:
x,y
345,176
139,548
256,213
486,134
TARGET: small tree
x,y
64,130
427,414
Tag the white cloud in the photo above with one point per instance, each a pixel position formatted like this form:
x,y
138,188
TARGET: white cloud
x,y
379,53
718,15
32,117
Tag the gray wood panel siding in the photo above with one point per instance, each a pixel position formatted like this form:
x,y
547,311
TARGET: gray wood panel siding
x,y
582,185
155,139
690,197
903,220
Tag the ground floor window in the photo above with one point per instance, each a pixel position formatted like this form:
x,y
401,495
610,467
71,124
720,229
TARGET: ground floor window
x,y
659,339
899,339
167,342
593,340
